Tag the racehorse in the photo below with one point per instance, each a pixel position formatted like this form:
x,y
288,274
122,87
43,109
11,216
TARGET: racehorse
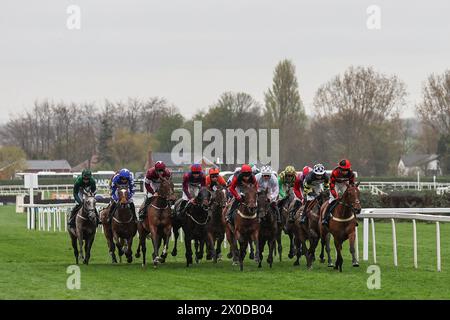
x,y
215,227
157,223
284,205
85,228
194,223
246,225
311,231
268,228
342,223
122,228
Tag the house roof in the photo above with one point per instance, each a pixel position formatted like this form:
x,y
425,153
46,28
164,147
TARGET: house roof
x,y
48,165
413,160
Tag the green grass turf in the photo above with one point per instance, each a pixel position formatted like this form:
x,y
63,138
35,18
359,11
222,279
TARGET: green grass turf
x,y
33,266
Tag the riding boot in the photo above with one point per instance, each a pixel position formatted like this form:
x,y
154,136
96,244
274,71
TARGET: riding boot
x,y
111,211
297,205
133,210
71,220
327,216
230,213
304,216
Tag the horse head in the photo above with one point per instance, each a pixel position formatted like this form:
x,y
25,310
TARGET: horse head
x,y
250,197
89,203
263,203
218,198
123,196
203,198
351,197
167,190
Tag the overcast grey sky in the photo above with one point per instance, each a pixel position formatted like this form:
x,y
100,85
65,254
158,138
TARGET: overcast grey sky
x,y
191,51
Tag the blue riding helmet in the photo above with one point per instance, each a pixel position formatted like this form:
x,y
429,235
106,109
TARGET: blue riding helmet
x,y
125,173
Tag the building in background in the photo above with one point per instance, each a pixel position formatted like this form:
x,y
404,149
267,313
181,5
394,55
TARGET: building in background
x,y
426,164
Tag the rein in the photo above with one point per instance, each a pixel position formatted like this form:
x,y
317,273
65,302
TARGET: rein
x,y
197,222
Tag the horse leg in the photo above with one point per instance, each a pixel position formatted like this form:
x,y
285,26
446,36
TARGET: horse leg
x,y
196,248
142,239
119,245
271,244
312,250
88,247
155,242
167,232
351,239
322,250
80,244
129,252
211,254
252,251
202,249
75,247
176,234
243,249
261,246
280,246
188,246
255,239
138,250
339,260
328,250
112,249
218,255
291,245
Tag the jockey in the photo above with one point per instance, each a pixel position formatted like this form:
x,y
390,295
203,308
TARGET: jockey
x,y
244,177
83,182
193,181
213,179
341,177
152,182
286,180
266,179
314,183
298,191
123,179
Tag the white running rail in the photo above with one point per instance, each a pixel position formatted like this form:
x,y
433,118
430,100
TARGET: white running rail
x,y
413,214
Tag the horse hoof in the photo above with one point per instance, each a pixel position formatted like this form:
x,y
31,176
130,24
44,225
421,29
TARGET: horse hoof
x,y
234,263
331,265
296,263
229,255
270,265
137,255
322,260
290,255
251,256
130,259
356,264
174,253
259,265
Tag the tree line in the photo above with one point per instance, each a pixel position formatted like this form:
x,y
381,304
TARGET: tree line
x,y
356,115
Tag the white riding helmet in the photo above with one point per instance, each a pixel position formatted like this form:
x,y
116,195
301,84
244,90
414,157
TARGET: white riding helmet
x,y
319,169
237,169
266,171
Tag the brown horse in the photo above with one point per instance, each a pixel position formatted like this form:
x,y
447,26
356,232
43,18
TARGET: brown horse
x,y
246,225
287,227
268,228
311,232
122,228
85,228
157,223
342,223
194,223
215,227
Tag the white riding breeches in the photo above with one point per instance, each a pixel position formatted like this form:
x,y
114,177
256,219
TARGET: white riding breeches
x,y
193,190
340,189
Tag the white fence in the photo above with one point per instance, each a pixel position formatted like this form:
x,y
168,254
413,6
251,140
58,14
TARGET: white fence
x,y
413,214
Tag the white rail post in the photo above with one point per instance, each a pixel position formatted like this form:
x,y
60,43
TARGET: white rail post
x,y
394,242
438,246
415,243
65,221
54,219
366,239
28,219
181,235
356,243
374,249
225,241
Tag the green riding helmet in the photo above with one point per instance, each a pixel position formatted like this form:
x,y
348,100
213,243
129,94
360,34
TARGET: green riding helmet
x,y
86,173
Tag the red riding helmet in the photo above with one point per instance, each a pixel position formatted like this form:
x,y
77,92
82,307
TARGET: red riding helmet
x,y
159,165
214,171
345,164
246,169
306,170
196,168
